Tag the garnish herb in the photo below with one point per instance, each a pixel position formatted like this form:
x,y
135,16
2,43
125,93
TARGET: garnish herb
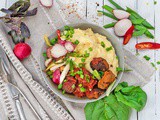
x,y
63,92
45,54
158,62
87,77
51,76
81,76
49,72
60,86
96,74
73,86
82,89
147,58
119,69
102,44
90,49
80,85
80,65
153,65
86,55
65,80
109,48
83,60
76,42
53,41
101,73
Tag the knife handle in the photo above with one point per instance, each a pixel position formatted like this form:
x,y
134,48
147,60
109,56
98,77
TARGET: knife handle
x,y
20,110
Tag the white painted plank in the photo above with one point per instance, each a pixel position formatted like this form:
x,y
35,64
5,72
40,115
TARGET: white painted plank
x,y
157,58
146,9
92,7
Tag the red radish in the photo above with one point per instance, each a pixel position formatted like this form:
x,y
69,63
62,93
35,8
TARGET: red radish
x,y
60,41
58,50
49,52
122,26
69,46
121,14
46,3
22,50
56,76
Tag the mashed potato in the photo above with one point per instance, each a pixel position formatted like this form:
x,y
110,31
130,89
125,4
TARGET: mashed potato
x,y
89,39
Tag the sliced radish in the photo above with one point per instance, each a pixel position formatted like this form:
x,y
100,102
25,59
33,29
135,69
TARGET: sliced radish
x,y
57,66
46,3
58,51
64,73
121,14
56,76
122,26
69,46
48,61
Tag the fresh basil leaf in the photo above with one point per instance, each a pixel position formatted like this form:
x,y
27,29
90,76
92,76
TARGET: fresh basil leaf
x,y
131,96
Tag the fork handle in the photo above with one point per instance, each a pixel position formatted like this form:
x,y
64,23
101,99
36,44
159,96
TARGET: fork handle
x,y
20,110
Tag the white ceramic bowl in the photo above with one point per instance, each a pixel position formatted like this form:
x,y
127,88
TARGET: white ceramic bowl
x,y
96,29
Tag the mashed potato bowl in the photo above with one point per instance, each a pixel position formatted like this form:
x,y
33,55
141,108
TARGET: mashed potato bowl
x,y
118,51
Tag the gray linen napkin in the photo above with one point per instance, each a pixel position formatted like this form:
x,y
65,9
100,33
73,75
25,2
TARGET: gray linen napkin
x,y
46,21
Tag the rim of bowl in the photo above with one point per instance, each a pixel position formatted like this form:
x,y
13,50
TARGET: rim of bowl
x,y
80,100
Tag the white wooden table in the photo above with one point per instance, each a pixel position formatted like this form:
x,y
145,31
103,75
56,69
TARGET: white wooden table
x,y
150,11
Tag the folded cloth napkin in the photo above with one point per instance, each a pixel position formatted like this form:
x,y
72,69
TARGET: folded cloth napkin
x,y
47,21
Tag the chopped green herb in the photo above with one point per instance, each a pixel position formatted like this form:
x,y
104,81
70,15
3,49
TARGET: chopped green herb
x,y
51,76
60,86
101,73
82,89
153,65
49,72
80,85
87,78
117,57
86,54
73,86
83,60
155,2
80,65
96,74
65,80
66,27
90,49
63,92
102,44
45,54
119,69
76,42
81,76
158,62
109,48
53,41
147,58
